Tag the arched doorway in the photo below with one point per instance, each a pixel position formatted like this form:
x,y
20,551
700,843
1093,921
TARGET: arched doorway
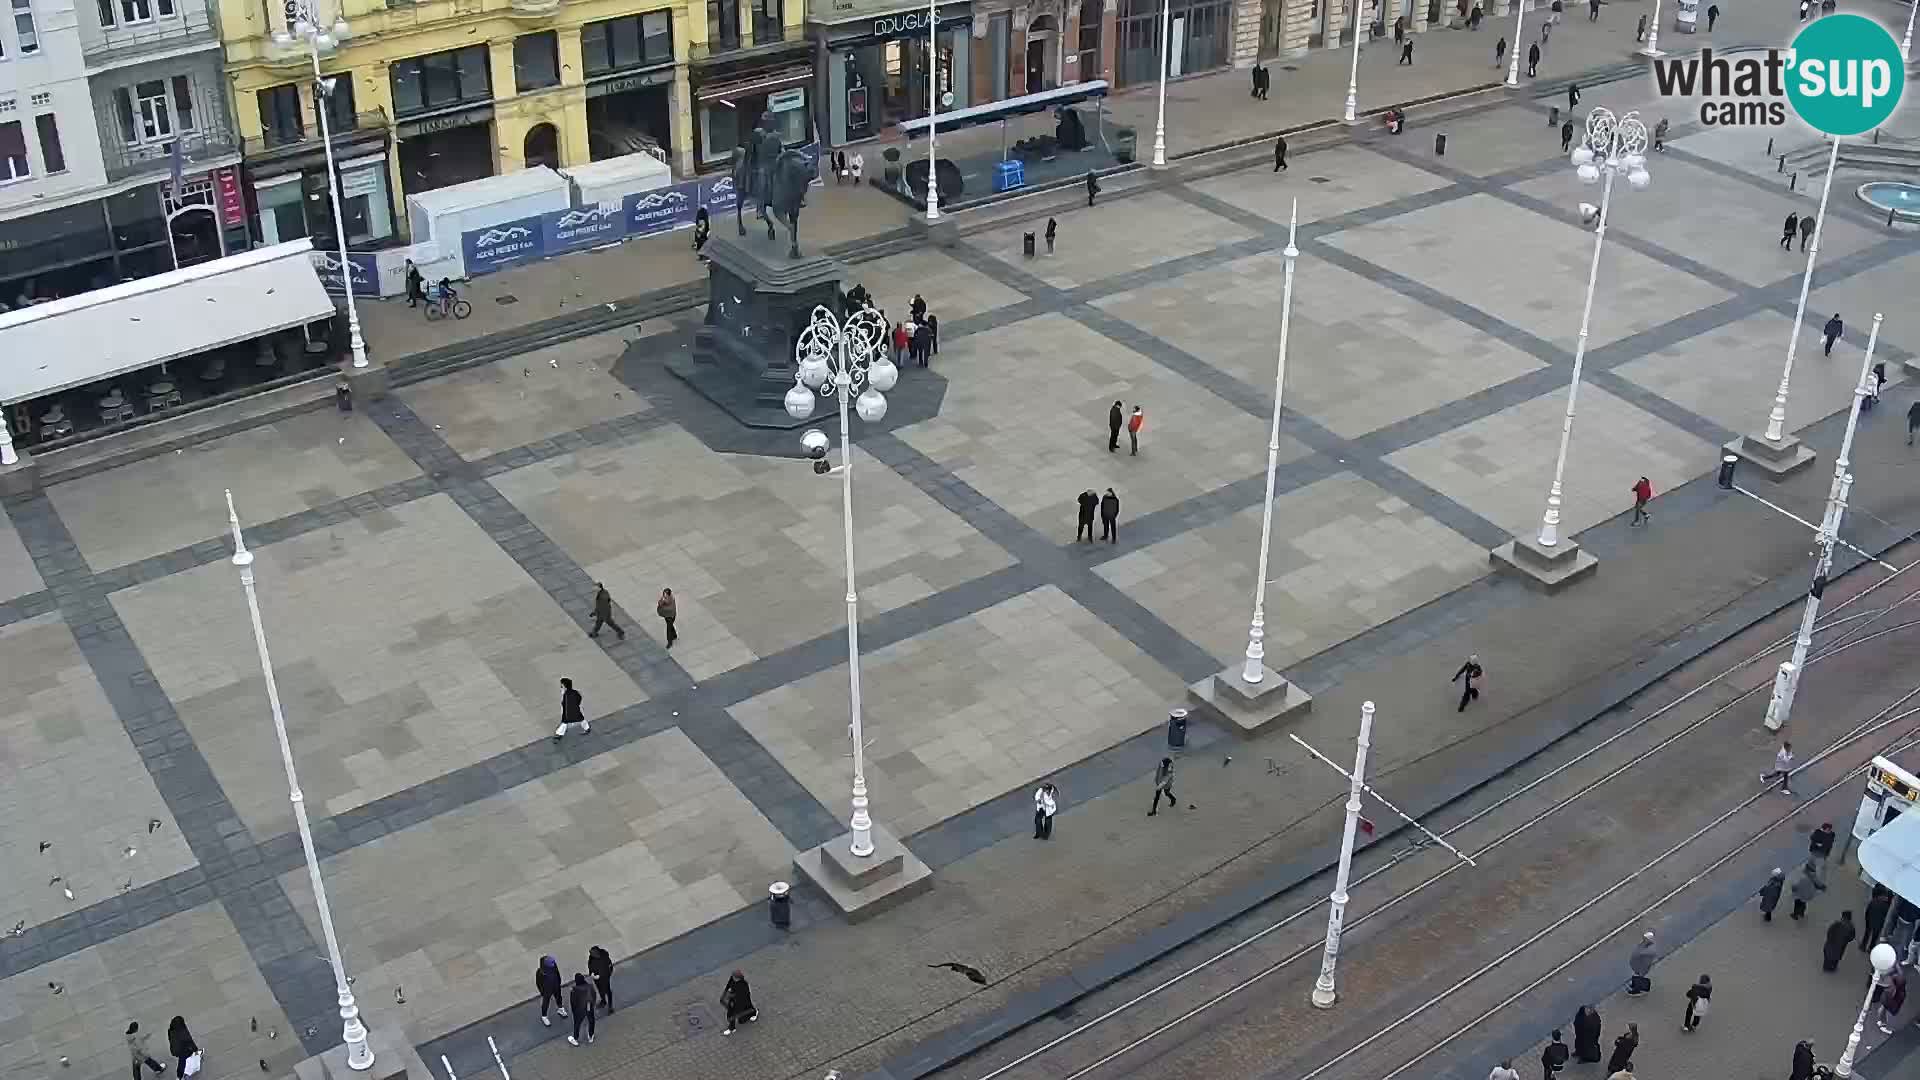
x,y
1042,71
542,147
193,234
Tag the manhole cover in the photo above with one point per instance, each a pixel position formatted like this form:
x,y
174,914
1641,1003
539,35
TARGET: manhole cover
x,y
698,1018
1289,67
506,298
1319,179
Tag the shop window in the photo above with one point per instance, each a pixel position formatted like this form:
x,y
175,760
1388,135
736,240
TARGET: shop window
x,y
723,24
440,80
768,17
283,215
628,42
23,27
364,208
536,61
51,155
13,152
280,120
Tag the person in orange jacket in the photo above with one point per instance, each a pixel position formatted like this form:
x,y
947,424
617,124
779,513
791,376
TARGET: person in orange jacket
x,y
1134,423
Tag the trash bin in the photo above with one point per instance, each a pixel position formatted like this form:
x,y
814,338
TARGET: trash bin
x,y
779,904
1177,729
1726,471
343,396
1440,145
1027,245
1553,117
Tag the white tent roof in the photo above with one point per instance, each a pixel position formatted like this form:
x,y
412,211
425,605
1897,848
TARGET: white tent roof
x,y
137,324
1892,856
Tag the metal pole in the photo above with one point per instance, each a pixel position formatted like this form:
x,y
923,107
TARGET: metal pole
x,y
862,825
1906,43
7,456
1883,963
1353,73
1166,61
355,341
1653,33
1519,18
1324,994
1252,673
1787,682
359,1055
1777,419
1550,521
933,201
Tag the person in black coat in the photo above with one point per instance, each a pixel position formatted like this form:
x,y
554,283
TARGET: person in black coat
x,y
1533,59
1832,332
919,308
1840,934
415,293
1554,1057
1802,1061
737,1000
1093,186
1468,672
1770,893
1623,1048
1114,419
580,996
1089,502
546,979
1110,517
180,1044
1586,1034
1280,153
923,343
1697,997
1053,230
600,966
1876,916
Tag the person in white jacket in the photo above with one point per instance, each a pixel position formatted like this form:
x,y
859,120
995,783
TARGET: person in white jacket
x,y
1046,800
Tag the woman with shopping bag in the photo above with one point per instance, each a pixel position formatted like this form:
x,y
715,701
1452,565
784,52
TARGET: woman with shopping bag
x,y
186,1052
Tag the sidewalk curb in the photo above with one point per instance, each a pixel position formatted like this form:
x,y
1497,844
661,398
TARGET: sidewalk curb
x,y
1029,1006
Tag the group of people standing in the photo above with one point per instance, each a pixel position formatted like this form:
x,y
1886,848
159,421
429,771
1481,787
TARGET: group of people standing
x,y
584,998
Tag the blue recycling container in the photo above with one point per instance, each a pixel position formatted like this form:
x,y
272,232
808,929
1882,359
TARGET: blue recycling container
x,y
1008,175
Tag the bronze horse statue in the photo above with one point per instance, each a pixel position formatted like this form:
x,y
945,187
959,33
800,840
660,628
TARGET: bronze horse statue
x,y
776,178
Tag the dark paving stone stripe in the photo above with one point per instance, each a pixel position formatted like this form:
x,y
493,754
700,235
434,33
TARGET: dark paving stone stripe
x,y
1776,183
31,606
1487,323
101,922
1647,401
198,804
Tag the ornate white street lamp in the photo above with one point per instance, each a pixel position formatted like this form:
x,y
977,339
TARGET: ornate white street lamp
x,y
1906,43
839,358
1777,417
933,108
1882,958
1166,61
1519,18
7,456
359,1055
1353,73
1652,47
307,28
1254,671
1324,991
1611,146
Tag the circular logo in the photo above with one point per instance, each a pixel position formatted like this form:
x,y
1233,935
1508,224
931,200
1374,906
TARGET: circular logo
x,y
1846,75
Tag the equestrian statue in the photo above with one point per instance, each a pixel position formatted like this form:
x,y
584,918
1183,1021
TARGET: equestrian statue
x,y
775,178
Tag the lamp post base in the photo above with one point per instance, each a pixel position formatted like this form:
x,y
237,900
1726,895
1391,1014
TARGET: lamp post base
x,y
22,477
864,886
1228,699
1323,998
1547,569
369,384
1775,457
394,1058
942,231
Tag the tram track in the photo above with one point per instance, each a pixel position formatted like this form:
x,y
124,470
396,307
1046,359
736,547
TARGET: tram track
x,y
1853,629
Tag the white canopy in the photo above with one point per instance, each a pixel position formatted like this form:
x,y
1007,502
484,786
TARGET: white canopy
x,y
66,343
1892,856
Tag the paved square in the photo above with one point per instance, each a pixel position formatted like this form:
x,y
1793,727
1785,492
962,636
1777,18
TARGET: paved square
x,y
1500,467
966,712
61,746
17,575
750,546
1497,140
1730,375
1360,356
952,289
1345,558
1327,183
1538,282
1027,425
629,849
405,643
528,397
173,500
1887,289
192,964
1112,238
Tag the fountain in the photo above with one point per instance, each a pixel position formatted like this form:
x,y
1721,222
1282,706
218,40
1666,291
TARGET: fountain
x,y
1894,196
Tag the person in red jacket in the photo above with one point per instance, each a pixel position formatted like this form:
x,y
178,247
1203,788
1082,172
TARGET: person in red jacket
x,y
1642,494
899,344
1134,423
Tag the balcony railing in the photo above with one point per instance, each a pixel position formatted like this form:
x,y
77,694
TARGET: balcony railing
x,y
273,143
196,149
127,43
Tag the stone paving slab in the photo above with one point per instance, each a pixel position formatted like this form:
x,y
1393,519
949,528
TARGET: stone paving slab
x,y
1887,289
1325,183
62,746
964,713
1115,237
1501,466
17,575
1345,557
952,289
751,546
192,965
166,502
625,850
1361,356
405,644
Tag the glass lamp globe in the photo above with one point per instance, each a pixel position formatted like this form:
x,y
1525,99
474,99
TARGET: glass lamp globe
x,y
799,402
282,38
323,42
1588,173
882,374
1883,962
813,372
1639,179
1634,161
1582,156
302,28
871,405
339,29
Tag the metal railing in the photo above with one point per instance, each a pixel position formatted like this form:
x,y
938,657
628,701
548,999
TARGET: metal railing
x,y
129,42
196,147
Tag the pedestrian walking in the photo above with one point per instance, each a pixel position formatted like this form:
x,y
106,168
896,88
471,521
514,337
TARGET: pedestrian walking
x,y
668,611
1110,517
839,166
1804,886
933,335
1640,32
570,713
1642,494
737,1000
415,290
1573,96
1093,186
1474,17
1840,934
1046,800
1266,82
1819,849
899,344
1586,1035
1089,502
1406,53
600,966
1134,423
1533,60
1504,1071
137,1052
1782,768
1891,999
1699,997
1468,672
923,342
1713,16
1806,231
1114,419
1879,382
1499,50
580,996
1640,962
1906,920
603,612
1554,1057
1913,421
1660,134
1832,332
1770,893
1788,230
1623,1048
1803,10
1874,919
1593,10
1280,153
184,1050
1053,230
1163,785
1803,1050
546,979
1566,136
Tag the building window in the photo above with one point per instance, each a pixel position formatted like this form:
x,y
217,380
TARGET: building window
x,y
338,103
723,25
106,14
51,156
767,21
23,27
440,80
536,61
629,42
283,214
280,121
153,119
13,152
183,102
135,11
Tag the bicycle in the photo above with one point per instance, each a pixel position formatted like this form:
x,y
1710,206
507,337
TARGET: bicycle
x,y
442,300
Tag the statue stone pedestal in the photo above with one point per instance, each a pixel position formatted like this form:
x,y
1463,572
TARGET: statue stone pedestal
x,y
758,301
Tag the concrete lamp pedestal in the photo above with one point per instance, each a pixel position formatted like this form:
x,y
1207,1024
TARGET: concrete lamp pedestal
x,y
369,384
22,477
864,887
1776,459
944,232
1549,569
1226,698
394,1058
1911,368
